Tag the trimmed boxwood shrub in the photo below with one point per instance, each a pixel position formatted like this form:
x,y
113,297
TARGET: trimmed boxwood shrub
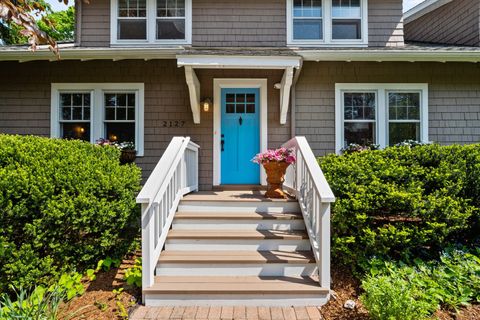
x,y
403,200
63,206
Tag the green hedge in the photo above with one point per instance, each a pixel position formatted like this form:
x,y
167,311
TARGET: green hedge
x,y
403,200
64,205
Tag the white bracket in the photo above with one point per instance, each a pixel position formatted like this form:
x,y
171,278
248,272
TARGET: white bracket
x,y
286,84
194,91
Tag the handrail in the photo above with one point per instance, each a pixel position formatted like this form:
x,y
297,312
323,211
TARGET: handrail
x,y
175,175
306,181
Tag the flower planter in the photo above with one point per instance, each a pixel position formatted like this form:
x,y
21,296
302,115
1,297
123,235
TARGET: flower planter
x,y
275,177
128,156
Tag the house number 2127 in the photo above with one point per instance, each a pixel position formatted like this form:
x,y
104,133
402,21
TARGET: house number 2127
x,y
173,124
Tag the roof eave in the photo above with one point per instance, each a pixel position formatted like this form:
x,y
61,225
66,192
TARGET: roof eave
x,y
422,9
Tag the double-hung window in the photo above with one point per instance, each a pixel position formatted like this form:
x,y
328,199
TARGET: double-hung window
x,y
383,114
327,22
102,110
153,22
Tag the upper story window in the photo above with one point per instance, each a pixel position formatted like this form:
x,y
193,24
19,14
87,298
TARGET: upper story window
x,y
151,22
327,22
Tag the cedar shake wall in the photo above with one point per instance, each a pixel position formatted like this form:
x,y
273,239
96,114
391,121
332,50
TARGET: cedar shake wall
x,y
247,23
457,22
385,23
233,23
95,24
25,101
454,97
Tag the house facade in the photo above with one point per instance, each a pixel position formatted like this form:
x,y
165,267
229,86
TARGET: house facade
x,y
240,77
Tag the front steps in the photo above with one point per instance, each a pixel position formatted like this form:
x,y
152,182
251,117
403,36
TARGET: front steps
x,y
235,247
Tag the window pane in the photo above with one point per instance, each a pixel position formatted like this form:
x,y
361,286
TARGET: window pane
x,y
132,8
240,108
307,8
66,113
77,100
346,8
399,132
131,114
250,97
240,97
132,29
170,29
77,113
131,100
346,29
230,108
404,106
122,99
359,106
307,29
359,132
73,130
86,113
120,132
121,113
65,99
230,97
109,113
170,8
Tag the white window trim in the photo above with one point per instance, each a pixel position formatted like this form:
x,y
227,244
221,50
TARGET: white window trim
x,y
151,27
218,85
381,90
97,127
327,18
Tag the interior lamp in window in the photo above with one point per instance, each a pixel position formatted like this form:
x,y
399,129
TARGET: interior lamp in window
x,y
206,104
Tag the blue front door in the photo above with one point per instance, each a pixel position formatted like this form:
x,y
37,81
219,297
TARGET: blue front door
x,y
240,136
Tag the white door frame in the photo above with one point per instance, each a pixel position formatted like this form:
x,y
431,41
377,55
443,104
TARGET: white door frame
x,y
218,85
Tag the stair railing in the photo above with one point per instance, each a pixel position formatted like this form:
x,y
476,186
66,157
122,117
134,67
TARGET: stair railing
x,y
175,175
306,181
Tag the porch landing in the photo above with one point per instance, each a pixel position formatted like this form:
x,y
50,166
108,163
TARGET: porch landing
x,y
227,313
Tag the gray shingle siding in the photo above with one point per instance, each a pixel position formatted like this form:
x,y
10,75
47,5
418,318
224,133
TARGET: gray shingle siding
x,y
385,23
455,23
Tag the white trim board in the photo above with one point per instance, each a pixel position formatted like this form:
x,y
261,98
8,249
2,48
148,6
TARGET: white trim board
x,y
381,118
96,108
238,62
423,8
327,19
218,85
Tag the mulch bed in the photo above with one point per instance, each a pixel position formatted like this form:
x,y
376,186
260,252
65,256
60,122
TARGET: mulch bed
x,y
99,301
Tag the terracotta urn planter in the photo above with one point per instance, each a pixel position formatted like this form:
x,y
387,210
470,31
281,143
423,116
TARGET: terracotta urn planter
x,y
275,177
128,156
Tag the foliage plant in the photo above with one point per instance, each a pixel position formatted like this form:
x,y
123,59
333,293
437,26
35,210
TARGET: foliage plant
x,y
63,206
411,199
415,290
38,304
133,275
279,155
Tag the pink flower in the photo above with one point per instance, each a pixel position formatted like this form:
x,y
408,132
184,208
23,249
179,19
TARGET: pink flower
x,y
281,154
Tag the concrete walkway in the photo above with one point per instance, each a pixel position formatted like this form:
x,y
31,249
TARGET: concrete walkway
x,y
226,313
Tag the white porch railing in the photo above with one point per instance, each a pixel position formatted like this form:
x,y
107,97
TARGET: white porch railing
x,y
175,175
306,180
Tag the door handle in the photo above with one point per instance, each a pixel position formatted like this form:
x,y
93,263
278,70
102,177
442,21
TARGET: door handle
x,y
240,120
222,142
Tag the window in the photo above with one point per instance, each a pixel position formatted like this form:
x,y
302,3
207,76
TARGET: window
x,y
383,114
327,22
132,19
74,115
307,19
240,103
346,19
403,117
151,21
102,110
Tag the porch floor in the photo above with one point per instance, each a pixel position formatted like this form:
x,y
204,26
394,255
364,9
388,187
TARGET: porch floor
x,y
227,313
233,195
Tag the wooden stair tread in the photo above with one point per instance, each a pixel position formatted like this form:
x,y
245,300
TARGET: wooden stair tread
x,y
239,215
232,196
236,234
234,285
243,257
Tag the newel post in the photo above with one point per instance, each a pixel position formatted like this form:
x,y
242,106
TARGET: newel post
x,y
147,245
323,234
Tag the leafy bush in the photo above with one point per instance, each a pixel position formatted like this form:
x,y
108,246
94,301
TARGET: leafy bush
x,y
64,205
400,291
405,199
133,275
